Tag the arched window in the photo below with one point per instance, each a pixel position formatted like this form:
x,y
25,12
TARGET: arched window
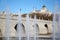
x,y
17,26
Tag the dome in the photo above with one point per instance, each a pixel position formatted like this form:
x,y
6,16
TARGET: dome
x,y
44,9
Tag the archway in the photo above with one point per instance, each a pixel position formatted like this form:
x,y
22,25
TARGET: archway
x,y
46,26
23,27
0,32
37,27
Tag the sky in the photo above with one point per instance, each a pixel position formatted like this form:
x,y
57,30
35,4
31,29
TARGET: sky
x,y
27,6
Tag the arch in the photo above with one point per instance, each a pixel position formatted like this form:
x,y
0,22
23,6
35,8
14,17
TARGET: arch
x,y
15,27
22,27
0,32
46,26
37,26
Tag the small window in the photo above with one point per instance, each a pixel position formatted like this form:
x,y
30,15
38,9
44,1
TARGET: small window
x,y
22,27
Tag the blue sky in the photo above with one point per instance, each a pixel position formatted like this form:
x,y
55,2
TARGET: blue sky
x,y
27,5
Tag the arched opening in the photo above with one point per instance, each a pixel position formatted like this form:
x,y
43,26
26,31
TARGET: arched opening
x,y
1,38
22,27
46,26
0,32
37,27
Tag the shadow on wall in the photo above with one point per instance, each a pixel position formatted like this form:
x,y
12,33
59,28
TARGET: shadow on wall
x,y
0,32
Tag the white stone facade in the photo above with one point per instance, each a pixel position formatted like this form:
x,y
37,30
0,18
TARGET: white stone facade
x,y
14,21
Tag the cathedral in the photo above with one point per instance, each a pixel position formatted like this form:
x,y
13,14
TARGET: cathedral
x,y
43,25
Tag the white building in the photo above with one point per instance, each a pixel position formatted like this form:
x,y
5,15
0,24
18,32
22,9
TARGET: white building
x,y
44,22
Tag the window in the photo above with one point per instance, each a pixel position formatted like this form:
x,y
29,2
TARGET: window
x,y
22,27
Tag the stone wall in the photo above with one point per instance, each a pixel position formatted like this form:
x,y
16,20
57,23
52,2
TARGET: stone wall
x,y
14,21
